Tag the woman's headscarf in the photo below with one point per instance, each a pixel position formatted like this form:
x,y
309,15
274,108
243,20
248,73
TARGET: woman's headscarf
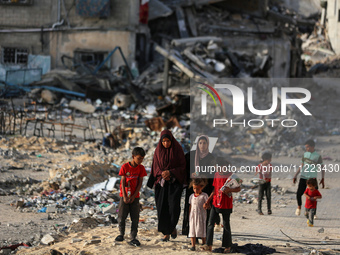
x,y
201,154
171,159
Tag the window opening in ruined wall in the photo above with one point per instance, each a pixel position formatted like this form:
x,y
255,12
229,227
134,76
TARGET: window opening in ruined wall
x,y
14,56
89,57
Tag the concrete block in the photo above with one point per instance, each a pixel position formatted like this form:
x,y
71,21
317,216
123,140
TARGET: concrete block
x,y
47,239
51,209
76,240
109,209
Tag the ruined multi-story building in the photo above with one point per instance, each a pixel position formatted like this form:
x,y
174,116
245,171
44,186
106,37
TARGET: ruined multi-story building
x,y
37,33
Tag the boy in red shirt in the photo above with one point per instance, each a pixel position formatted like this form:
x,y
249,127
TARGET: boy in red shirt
x,y
222,204
311,194
132,179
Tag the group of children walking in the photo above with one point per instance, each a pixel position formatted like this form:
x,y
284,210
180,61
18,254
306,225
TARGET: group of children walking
x,y
219,202
308,185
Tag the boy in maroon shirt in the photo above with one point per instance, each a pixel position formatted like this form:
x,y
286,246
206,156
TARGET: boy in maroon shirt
x,y
132,179
311,194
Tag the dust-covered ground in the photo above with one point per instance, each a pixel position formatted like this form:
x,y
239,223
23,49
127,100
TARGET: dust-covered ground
x,y
21,226
46,172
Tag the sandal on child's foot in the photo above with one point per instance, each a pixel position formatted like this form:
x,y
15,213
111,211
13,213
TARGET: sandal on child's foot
x,y
166,238
134,242
259,212
298,211
205,248
192,249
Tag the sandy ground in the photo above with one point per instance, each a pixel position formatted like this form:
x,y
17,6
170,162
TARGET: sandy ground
x,y
247,226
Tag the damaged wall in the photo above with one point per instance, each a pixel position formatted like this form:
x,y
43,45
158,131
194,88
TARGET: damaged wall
x,y
277,48
66,43
123,15
25,16
32,41
305,8
47,28
333,16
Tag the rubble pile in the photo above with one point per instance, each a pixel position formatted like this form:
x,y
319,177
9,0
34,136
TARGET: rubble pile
x,y
84,224
75,166
117,110
326,68
317,51
79,177
20,186
249,194
281,141
204,45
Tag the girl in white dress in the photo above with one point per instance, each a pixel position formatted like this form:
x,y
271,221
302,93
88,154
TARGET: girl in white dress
x,y
198,213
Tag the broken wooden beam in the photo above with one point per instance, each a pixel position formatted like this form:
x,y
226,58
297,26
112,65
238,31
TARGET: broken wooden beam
x,y
187,52
191,41
153,68
250,28
177,61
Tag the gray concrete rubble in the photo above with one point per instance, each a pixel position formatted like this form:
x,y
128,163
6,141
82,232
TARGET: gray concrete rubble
x,y
64,138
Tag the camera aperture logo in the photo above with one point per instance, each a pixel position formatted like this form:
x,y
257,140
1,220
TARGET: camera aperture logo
x,y
239,103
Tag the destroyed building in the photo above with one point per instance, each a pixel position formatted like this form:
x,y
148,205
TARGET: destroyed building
x,y
260,37
40,35
171,42
333,16
167,42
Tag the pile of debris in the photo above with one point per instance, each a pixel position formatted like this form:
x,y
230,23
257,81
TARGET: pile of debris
x,y
228,39
317,50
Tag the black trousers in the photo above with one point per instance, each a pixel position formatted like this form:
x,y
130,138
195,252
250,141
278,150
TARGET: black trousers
x,y
265,188
168,203
301,189
123,211
214,214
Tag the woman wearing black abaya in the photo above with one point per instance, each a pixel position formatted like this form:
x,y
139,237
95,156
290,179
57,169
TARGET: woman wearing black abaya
x,y
169,174
203,158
